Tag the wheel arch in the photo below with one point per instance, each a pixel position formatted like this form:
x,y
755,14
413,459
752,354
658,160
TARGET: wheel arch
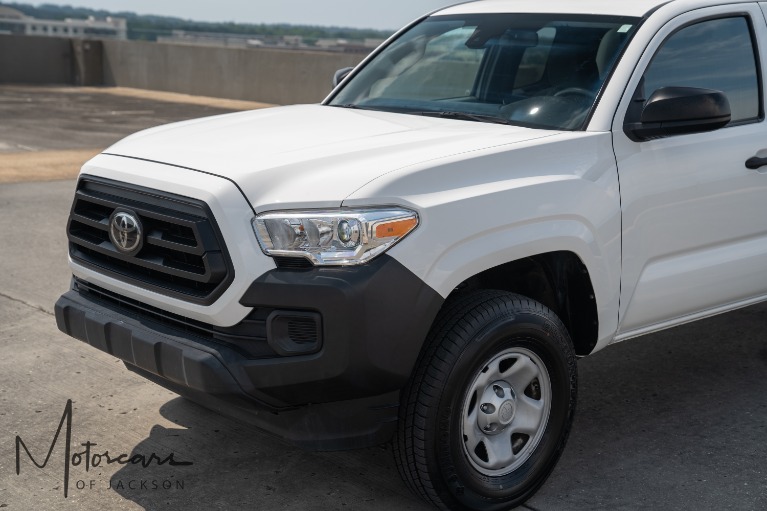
x,y
559,280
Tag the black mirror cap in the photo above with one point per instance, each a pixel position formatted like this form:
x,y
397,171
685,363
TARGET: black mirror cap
x,y
680,110
339,76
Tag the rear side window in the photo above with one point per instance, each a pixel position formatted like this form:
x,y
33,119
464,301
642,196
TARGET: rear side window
x,y
714,54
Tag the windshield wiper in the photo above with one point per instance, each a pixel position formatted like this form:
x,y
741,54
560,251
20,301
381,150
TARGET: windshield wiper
x,y
374,108
445,114
463,116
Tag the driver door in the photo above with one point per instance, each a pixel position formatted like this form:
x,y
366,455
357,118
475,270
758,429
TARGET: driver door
x,y
694,216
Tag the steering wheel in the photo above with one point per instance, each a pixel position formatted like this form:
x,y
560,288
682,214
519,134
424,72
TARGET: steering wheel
x,y
575,91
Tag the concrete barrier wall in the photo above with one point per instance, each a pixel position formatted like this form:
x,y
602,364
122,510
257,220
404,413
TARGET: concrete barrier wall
x,y
35,60
267,75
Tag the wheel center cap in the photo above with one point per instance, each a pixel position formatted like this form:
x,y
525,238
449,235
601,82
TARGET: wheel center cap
x,y
506,412
497,409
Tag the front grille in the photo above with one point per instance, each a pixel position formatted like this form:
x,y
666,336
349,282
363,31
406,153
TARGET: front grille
x,y
248,337
183,254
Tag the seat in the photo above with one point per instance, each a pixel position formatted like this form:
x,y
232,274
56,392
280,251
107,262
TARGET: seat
x,y
608,50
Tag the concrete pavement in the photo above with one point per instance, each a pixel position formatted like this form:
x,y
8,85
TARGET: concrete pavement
x,y
49,132
676,420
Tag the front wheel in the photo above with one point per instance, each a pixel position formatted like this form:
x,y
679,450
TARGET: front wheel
x,y
488,410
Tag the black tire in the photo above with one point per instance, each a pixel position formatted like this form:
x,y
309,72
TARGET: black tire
x,y
476,338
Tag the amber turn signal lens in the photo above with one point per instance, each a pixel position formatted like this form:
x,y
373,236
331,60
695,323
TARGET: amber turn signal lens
x,y
396,229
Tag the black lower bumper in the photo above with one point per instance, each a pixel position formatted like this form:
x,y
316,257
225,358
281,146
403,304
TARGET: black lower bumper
x,y
374,320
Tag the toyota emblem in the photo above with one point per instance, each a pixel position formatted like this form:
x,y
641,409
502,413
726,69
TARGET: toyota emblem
x,y
125,231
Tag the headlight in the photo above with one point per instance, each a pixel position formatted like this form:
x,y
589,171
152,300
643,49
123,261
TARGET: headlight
x,y
340,237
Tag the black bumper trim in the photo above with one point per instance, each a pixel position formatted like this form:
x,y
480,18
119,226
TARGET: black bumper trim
x,y
374,319
201,374
164,355
341,425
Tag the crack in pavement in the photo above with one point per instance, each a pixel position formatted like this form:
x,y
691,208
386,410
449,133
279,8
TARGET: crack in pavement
x,y
23,302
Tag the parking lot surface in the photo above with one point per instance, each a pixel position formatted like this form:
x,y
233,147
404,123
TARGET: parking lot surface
x,y
676,420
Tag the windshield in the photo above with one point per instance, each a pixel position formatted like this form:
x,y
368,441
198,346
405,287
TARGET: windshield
x,y
536,70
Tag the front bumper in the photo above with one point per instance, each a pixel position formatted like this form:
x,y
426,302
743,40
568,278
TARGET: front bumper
x,y
374,319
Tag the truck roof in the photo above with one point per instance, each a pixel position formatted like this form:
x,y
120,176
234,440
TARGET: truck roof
x,y
610,7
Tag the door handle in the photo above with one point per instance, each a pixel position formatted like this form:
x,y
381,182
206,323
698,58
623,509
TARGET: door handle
x,y
755,162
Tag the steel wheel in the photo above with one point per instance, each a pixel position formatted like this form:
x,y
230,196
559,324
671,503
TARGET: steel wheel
x,y
505,411
489,407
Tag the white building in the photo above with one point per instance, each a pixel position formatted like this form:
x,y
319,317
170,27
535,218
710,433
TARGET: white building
x,y
15,22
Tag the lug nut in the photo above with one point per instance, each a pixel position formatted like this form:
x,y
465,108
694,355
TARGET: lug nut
x,y
487,408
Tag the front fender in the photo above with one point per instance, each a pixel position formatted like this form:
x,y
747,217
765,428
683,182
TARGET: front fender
x,y
488,208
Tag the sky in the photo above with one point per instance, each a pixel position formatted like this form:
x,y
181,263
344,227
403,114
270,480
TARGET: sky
x,y
387,15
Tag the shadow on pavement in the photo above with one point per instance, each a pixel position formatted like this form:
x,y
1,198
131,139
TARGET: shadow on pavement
x,y
236,466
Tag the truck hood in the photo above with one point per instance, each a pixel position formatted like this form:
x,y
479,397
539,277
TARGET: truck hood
x,y
312,155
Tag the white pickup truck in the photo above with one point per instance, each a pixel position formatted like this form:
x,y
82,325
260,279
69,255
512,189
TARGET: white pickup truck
x,y
500,188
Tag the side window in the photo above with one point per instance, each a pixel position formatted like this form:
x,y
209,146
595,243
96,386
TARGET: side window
x,y
715,54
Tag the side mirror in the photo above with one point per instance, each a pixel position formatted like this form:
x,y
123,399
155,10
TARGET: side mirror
x,y
680,110
340,75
